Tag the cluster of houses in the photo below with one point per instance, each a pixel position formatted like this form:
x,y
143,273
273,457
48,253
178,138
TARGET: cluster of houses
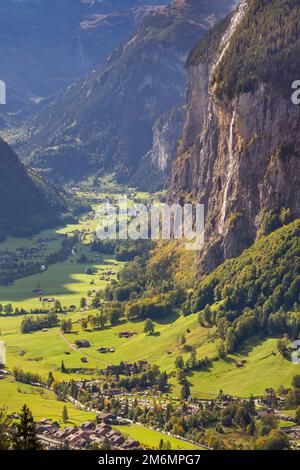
x,y
26,253
89,435
126,368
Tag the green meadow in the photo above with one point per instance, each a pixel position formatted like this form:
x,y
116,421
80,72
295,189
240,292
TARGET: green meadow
x,y
150,438
66,281
43,403
264,368
42,352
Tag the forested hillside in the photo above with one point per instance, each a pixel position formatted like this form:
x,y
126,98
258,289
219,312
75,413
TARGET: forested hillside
x,y
28,203
255,293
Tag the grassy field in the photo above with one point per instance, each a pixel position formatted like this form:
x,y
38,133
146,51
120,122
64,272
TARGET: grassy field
x,y
66,281
160,348
150,438
264,368
42,403
44,351
284,424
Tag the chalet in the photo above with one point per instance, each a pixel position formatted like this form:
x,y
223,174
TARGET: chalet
x,y
131,444
126,334
47,300
78,438
88,426
102,350
82,344
64,433
106,418
102,429
117,439
49,422
84,360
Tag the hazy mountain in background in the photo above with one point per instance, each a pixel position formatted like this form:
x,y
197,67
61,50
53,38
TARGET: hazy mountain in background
x,y
47,44
28,202
104,122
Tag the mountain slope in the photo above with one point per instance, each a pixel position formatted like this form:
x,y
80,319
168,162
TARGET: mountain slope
x,y
104,122
47,44
240,148
28,204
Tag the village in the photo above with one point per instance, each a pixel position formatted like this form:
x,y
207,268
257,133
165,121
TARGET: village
x,y
101,434
88,436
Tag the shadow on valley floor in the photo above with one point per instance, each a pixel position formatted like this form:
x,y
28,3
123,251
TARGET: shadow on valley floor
x,y
248,347
59,280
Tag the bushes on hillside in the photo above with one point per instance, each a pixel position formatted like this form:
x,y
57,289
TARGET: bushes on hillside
x,y
32,323
258,292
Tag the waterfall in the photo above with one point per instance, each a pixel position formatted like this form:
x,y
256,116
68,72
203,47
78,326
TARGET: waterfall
x,y
230,169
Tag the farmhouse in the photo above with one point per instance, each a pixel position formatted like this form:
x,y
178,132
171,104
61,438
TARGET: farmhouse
x,y
126,334
106,417
88,426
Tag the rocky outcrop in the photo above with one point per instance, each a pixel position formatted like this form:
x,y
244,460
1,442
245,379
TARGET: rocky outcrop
x,y
154,168
239,155
166,132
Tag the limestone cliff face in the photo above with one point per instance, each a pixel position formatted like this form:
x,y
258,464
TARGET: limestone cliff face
x,y
239,156
166,133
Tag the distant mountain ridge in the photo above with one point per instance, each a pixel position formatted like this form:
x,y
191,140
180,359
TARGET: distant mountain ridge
x,y
104,122
47,44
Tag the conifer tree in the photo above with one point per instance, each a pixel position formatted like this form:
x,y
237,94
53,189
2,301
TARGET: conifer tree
x,y
25,436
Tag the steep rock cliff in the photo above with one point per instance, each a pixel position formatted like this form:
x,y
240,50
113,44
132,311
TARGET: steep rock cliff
x,y
47,44
154,168
240,150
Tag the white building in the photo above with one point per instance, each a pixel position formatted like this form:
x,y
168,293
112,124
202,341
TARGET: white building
x,y
2,353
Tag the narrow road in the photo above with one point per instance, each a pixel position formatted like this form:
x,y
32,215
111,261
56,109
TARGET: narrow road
x,y
79,350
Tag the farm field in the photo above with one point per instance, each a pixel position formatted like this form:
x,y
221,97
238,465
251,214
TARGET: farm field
x,y
66,281
151,438
43,403
264,367
44,351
